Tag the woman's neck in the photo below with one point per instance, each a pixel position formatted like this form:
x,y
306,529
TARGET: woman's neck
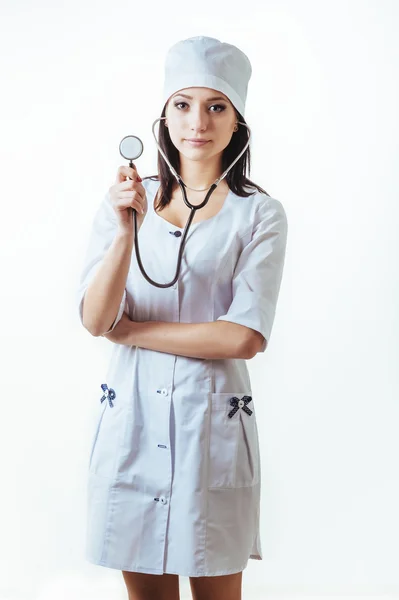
x,y
200,175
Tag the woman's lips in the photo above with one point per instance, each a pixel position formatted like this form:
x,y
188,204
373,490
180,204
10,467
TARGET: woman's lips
x,y
197,142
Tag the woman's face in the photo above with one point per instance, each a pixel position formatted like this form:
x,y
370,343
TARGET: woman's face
x,y
204,114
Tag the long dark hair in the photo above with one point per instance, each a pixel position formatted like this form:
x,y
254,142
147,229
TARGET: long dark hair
x,y
236,178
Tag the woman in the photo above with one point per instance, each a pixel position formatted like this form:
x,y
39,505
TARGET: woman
x,y
174,471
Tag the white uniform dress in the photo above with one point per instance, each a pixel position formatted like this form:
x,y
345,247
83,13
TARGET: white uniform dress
x,y
174,470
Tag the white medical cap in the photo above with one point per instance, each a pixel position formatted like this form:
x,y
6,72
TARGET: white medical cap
x,y
207,62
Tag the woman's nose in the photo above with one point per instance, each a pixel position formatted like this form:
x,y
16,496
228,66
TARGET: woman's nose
x,y
199,121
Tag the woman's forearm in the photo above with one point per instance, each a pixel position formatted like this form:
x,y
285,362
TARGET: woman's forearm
x,y
211,340
217,339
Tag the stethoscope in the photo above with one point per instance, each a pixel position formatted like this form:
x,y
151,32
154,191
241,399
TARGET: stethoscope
x,y
131,147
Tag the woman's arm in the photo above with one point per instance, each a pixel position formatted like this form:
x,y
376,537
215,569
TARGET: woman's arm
x,y
211,340
104,293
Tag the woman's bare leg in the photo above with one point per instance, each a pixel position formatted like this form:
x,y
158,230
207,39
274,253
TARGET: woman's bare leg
x,y
220,587
145,586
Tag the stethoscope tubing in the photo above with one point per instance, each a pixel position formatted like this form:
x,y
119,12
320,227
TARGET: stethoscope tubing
x,y
193,208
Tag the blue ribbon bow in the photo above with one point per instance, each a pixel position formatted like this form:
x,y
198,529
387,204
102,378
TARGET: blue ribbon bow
x,y
237,403
108,393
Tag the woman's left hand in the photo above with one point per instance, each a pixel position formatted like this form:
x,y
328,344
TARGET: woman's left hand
x,y
123,332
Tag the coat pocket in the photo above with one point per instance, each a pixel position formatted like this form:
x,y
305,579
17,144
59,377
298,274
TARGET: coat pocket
x,y
233,442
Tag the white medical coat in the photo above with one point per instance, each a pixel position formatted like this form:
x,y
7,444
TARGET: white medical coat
x,y
173,476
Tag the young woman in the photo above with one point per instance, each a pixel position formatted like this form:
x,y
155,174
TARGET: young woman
x,y
174,471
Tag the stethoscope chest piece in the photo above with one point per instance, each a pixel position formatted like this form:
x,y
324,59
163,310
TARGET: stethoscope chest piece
x,y
131,147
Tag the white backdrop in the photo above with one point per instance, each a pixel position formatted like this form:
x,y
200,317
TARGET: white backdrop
x,y
322,104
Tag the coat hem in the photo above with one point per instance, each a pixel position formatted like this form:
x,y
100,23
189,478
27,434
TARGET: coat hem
x,y
140,569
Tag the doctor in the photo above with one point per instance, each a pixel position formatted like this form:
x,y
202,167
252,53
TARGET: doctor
x,y
174,469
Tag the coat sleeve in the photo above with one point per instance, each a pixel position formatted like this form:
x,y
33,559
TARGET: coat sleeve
x,y
103,230
258,272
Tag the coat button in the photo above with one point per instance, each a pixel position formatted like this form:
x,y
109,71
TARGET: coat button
x,y
241,403
163,499
164,392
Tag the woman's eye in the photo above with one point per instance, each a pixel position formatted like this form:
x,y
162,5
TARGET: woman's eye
x,y
222,108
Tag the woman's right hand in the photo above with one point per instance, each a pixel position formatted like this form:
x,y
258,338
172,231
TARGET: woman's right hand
x,y
126,195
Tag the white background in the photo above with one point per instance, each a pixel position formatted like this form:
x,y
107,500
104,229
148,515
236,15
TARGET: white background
x,y
323,107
